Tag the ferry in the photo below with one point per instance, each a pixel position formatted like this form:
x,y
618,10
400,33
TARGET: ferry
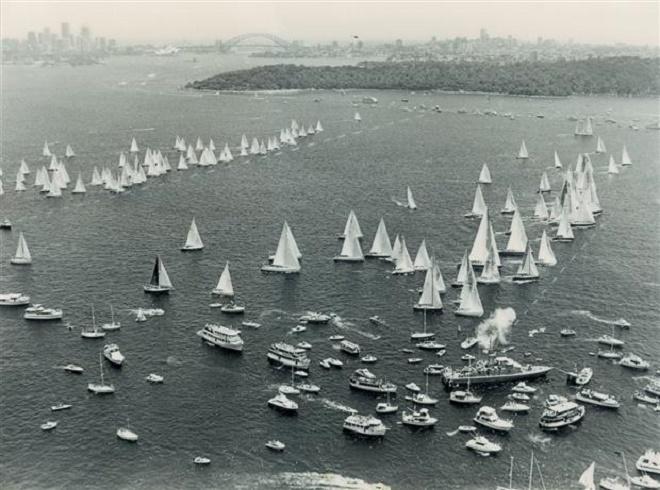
x,y
649,462
596,398
221,336
365,380
560,415
499,370
364,425
288,355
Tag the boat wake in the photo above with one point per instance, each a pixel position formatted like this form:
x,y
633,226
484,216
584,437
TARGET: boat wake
x,y
277,313
346,325
452,433
310,480
539,440
337,406
399,203
619,322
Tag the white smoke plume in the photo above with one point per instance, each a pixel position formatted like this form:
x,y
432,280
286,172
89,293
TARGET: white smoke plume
x,y
495,330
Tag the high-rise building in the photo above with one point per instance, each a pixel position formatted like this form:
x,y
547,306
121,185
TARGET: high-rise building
x,y
483,34
65,30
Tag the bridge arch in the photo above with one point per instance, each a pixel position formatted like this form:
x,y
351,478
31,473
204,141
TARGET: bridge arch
x,y
276,40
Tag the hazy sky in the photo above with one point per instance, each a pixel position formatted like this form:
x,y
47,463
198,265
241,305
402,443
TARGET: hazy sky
x,y
156,21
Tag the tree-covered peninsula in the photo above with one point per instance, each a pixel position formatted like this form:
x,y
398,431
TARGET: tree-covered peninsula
x,y
612,75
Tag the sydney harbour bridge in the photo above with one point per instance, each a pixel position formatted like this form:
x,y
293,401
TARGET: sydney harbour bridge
x,y
254,40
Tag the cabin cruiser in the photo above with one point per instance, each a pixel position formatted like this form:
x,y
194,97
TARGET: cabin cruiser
x,y
50,425
482,445
469,342
289,389
39,312
653,388
553,400
335,362
596,398
611,341
368,359
609,354
430,345
155,378
487,417
645,481
60,406
304,345
112,354
413,387
364,425
288,355
281,402
275,445
434,369
580,378
298,329
645,398
422,399
365,380
649,462
201,460
515,407
349,347
308,387
464,397
386,407
519,396
560,415
73,368
232,309
622,322
221,336
523,387
314,317
418,418
633,361
497,370
14,299
126,434
567,332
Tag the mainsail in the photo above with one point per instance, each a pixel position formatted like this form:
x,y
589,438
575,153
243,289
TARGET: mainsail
x,y
69,153
484,176
422,259
527,268
438,280
546,255
600,146
522,153
403,264
352,225
587,478
396,249
224,287
544,186
80,187
612,167
351,249
46,151
557,161
490,274
517,243
478,206
193,240
625,158
470,301
541,209
134,146
22,251
285,256
381,246
411,201
430,298
480,247
159,276
510,205
564,231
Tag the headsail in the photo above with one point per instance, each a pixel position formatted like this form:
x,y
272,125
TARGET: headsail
x,y
403,264
225,287
430,298
381,246
522,153
484,176
193,240
546,254
422,259
518,239
411,200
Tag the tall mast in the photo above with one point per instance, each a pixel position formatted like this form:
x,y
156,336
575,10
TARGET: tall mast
x,y
531,468
511,473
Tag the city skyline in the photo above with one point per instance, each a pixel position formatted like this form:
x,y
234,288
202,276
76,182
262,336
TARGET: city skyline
x,y
633,23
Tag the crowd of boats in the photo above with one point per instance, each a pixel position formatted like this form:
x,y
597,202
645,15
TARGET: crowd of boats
x,y
576,206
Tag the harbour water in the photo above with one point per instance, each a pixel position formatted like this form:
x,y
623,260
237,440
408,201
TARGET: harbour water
x,y
98,249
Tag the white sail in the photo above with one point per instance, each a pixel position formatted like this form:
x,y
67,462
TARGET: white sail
x,y
199,146
80,187
211,144
588,129
484,176
411,200
225,287
396,249
528,267
403,264
20,186
381,246
69,153
64,174
625,158
470,304
430,298
493,244
182,165
422,259
319,128
24,169
54,164
193,240
244,142
478,206
357,117
522,153
587,478
510,205
600,146
490,274
285,255
612,167
583,214
480,247
22,251
555,210
163,277
2,189
292,241
134,146
254,149
544,186
518,238
546,254
438,280
557,161
262,148
46,151
564,231
541,209
352,224
228,155
463,270
56,186
351,248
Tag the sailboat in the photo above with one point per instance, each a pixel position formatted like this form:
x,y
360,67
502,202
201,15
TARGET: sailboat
x,y
544,186
224,286
522,153
584,128
422,335
80,187
113,325
484,240
24,169
546,255
438,280
411,200
517,244
625,158
46,151
101,388
22,256
557,161
564,231
484,176
541,209
381,247
285,259
319,127
396,250
182,165
463,271
490,274
527,271
193,240
160,281
510,205
69,153
612,168
430,298
351,250
478,205
254,148
470,304
600,146
352,226
357,117
587,478
96,178
403,263
134,146
94,333
422,260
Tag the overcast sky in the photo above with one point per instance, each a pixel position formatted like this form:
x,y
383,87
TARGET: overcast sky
x,y
156,21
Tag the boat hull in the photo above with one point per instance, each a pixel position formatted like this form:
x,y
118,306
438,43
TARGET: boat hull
x,y
156,290
468,313
341,258
191,249
279,270
432,309
497,378
555,425
295,363
19,261
371,389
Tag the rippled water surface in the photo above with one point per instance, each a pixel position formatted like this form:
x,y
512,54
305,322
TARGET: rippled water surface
x,y
98,249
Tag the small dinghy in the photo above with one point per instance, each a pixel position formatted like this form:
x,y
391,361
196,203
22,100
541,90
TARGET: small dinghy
x,y
515,407
275,445
467,429
299,329
73,368
232,309
50,425
201,460
336,338
126,434
304,345
368,359
155,378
